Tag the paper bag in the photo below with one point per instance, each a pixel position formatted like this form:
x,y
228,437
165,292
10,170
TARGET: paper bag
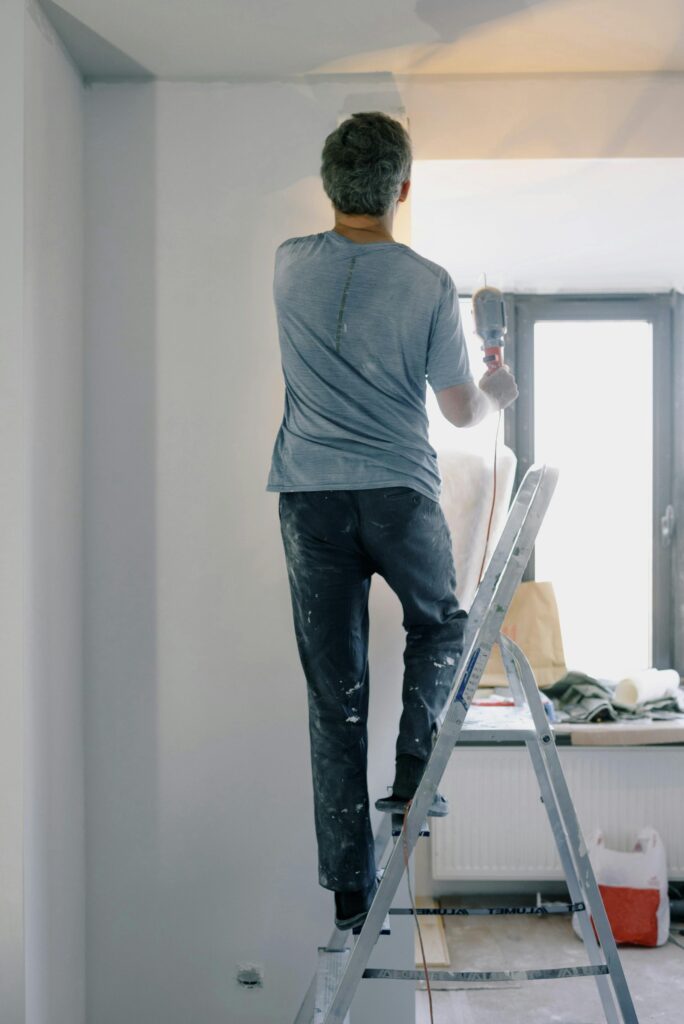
x,y
532,622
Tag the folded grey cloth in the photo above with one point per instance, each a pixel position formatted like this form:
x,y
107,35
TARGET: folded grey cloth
x,y
581,698
665,707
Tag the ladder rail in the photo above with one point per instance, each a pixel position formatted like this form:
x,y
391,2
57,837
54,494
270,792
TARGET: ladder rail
x,y
578,848
508,651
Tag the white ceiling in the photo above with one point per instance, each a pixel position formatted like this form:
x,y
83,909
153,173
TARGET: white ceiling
x,y
266,39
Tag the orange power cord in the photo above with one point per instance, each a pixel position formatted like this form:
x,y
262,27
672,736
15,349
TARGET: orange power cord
x,y
491,511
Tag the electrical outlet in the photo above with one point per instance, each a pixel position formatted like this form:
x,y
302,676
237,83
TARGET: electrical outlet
x,y
250,975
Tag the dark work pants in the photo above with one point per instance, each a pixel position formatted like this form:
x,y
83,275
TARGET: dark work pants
x,y
334,541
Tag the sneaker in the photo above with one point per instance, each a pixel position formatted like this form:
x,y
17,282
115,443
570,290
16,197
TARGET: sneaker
x,y
407,776
397,805
351,908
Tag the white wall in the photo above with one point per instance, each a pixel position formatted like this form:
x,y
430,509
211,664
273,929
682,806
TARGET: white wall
x,y
54,851
42,973
14,510
124,867
200,840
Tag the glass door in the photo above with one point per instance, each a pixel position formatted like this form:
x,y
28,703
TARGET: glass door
x,y
588,370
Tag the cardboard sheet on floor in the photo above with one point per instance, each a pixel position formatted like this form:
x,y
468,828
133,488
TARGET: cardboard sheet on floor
x,y
434,936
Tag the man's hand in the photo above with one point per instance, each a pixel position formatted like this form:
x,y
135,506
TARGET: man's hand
x,y
499,386
464,405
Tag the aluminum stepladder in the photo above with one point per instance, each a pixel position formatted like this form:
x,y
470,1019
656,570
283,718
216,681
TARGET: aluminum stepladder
x,y
341,967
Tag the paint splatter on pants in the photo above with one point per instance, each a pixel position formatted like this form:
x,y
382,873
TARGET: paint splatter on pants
x,y
334,541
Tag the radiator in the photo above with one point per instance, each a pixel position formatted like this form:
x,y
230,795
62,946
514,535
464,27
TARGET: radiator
x,y
497,829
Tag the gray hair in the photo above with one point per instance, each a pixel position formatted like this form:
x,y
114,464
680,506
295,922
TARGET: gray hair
x,y
364,163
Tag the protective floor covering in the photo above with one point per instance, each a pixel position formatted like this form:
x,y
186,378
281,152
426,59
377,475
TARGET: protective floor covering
x,y
655,976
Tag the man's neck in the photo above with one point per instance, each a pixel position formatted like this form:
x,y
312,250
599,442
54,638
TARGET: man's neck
x,y
364,229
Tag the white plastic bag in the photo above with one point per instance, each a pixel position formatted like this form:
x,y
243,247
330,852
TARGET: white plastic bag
x,y
633,888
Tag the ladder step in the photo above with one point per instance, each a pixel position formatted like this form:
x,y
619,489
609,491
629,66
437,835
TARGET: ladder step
x,y
385,930
542,910
388,974
331,965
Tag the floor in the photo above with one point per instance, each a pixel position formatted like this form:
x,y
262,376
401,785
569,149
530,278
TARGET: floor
x,y
655,976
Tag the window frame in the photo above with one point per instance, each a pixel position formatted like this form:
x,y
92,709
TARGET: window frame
x,y
665,313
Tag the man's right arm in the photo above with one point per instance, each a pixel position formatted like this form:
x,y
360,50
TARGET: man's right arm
x,y
464,405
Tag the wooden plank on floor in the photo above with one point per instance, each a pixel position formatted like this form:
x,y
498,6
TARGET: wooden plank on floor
x,y
434,936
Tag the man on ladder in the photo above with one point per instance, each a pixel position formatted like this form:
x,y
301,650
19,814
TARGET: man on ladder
x,y
363,322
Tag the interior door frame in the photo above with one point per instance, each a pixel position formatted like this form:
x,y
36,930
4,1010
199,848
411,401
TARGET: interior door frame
x,y
523,311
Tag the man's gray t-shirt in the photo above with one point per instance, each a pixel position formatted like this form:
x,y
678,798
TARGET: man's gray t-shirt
x,y
361,326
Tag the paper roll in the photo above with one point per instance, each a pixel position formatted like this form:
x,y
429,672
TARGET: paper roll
x,y
651,684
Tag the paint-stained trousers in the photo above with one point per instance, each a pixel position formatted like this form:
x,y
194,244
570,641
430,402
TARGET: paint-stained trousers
x,y
334,541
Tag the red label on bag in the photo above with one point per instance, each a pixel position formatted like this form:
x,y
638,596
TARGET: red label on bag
x,y
632,914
